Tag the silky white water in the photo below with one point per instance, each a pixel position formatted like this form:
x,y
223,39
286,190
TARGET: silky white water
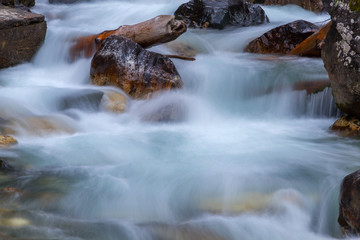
x,y
251,159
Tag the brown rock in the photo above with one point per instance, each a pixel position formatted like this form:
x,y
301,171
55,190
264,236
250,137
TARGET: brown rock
x,y
139,73
6,141
311,47
311,87
347,126
312,5
349,206
341,56
283,39
21,35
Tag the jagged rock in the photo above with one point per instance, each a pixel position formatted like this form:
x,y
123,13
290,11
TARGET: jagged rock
x,y
12,3
219,14
6,141
114,102
312,5
341,56
349,205
139,73
21,34
347,126
282,39
311,87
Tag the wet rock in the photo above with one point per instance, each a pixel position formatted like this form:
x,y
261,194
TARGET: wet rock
x,y
283,39
4,166
114,102
219,14
182,49
139,73
12,3
341,56
349,204
312,5
311,87
6,141
347,126
21,35
311,47
171,112
88,100
67,1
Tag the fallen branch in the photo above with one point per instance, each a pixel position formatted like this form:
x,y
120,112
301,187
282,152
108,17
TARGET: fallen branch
x,y
180,57
311,46
158,30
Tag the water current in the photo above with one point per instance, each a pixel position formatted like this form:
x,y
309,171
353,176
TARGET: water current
x,y
252,159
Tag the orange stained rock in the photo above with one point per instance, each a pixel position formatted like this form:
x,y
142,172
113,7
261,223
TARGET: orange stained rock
x,y
310,47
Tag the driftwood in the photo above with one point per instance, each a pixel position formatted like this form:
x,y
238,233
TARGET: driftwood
x,y
161,29
311,46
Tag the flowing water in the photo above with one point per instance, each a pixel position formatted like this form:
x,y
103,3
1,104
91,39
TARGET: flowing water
x,y
251,159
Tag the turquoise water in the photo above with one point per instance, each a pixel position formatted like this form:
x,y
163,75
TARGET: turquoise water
x,y
251,159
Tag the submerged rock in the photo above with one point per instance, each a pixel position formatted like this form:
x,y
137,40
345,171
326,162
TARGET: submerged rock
x,y
312,5
349,205
139,73
282,39
67,1
86,100
341,56
347,126
21,34
311,87
219,14
114,102
4,166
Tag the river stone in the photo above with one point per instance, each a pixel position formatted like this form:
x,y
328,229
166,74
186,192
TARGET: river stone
x,y
282,39
347,126
6,141
21,35
219,14
138,72
12,3
114,102
341,56
312,5
85,100
349,205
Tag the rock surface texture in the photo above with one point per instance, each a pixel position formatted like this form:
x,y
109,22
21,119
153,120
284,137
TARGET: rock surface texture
x,y
312,5
139,73
12,3
282,39
21,35
341,56
219,14
349,206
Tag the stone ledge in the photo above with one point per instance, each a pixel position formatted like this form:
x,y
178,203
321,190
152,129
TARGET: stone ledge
x,y
13,17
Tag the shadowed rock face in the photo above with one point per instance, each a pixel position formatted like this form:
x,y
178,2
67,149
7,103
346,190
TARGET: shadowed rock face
x,y
21,35
139,73
12,3
219,14
282,39
341,56
312,5
349,209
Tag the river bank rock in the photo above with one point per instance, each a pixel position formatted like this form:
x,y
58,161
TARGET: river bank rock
x,y
341,56
349,204
21,34
219,14
282,39
139,73
311,5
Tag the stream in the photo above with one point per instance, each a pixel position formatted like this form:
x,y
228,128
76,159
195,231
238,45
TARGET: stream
x,y
251,160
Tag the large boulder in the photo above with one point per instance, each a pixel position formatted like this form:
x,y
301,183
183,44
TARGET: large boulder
x,y
219,14
139,73
341,56
312,5
349,205
282,39
21,34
